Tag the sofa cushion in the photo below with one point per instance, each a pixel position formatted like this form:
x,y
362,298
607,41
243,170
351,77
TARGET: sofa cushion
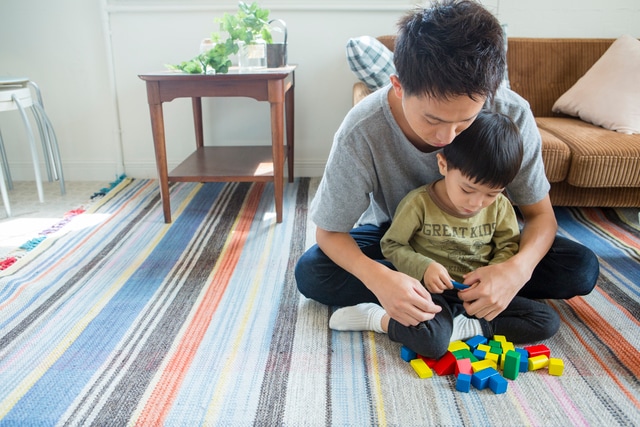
x,y
556,156
370,60
599,157
608,94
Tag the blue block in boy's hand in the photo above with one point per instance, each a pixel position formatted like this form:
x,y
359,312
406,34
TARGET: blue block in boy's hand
x,y
459,285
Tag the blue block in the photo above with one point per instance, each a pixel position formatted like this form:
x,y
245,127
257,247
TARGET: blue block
x,y
463,383
407,354
459,286
479,354
480,379
498,384
524,359
475,341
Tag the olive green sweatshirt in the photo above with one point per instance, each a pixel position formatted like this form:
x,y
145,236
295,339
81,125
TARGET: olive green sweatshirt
x,y
423,230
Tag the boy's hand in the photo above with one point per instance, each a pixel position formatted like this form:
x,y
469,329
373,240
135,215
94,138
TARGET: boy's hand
x,y
437,279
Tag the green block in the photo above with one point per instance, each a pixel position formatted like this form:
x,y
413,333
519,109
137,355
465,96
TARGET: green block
x,y
496,350
511,365
464,354
493,344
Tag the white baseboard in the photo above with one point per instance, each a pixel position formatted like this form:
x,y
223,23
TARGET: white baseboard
x,y
72,171
148,170
109,171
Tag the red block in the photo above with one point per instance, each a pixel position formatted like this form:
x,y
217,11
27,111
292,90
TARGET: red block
x,y
430,362
446,364
537,350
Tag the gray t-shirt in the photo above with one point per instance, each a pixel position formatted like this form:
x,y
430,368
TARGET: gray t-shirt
x,y
372,165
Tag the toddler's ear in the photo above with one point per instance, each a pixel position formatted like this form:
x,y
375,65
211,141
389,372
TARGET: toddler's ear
x,y
442,164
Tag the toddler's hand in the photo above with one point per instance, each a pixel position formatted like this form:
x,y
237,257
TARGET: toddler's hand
x,y
437,279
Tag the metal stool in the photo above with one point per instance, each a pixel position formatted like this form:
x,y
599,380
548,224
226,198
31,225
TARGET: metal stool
x,y
15,94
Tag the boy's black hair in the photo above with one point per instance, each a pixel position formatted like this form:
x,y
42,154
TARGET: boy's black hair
x,y
489,152
453,48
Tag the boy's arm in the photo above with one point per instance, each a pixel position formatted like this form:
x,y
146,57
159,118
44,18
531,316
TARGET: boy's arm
x,y
396,246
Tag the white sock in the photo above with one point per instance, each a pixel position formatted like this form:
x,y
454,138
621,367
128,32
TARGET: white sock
x,y
465,327
361,317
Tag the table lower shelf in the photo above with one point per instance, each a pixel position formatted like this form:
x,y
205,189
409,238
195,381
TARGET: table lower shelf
x,y
215,164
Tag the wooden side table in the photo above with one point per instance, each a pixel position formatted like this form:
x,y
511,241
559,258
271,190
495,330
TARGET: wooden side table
x,y
224,163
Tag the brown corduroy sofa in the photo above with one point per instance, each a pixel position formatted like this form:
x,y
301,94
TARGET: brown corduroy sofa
x,y
586,164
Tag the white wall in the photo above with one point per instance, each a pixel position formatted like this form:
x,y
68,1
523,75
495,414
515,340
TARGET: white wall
x,y
86,57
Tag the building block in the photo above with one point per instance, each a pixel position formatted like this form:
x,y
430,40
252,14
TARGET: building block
x,y
495,344
524,359
446,364
495,358
464,354
429,361
407,354
480,379
511,365
500,338
463,366
421,368
463,383
479,354
484,347
483,364
506,346
537,350
497,384
475,341
496,350
538,362
457,345
556,366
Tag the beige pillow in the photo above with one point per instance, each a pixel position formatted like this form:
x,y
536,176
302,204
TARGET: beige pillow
x,y
608,95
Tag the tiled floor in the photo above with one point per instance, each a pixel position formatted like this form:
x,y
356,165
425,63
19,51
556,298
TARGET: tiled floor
x,y
29,217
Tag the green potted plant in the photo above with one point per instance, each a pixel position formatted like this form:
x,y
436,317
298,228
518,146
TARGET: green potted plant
x,y
210,61
249,28
248,32
249,24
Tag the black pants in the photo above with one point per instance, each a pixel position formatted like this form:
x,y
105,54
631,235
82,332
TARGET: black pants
x,y
523,321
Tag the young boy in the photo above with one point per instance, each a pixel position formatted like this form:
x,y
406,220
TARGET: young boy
x,y
445,230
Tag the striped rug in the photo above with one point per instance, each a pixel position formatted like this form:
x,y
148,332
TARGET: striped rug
x,y
120,319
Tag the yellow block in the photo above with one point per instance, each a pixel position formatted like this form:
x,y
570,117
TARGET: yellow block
x,y
506,346
495,358
458,345
500,338
556,366
484,347
421,368
538,362
483,364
